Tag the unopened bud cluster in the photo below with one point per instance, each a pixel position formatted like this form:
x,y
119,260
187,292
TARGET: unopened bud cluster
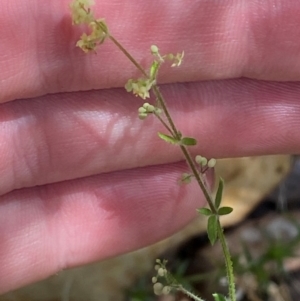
x,y
147,109
202,161
204,164
158,287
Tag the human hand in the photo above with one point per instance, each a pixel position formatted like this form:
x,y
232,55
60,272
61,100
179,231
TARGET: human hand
x,y
81,177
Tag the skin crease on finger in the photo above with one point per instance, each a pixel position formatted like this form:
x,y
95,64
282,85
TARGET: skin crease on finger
x,y
257,39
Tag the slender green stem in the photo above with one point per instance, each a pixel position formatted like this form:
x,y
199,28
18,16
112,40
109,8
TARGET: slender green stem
x,y
162,103
198,176
177,135
129,56
164,124
184,149
120,46
190,294
228,263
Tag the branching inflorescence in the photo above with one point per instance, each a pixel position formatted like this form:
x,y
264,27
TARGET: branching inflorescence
x,y
141,87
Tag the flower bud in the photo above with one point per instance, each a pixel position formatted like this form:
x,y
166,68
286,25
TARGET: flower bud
x,y
211,163
158,287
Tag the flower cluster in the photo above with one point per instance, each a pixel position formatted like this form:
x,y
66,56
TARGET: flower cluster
x,y
140,87
80,11
147,109
175,58
81,14
158,287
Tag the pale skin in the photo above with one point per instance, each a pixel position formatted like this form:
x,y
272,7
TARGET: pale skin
x,y
82,178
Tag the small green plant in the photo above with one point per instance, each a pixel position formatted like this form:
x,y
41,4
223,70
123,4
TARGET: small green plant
x,y
262,266
164,282
141,87
268,267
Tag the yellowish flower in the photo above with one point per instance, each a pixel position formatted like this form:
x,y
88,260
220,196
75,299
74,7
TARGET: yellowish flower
x,y
140,87
86,43
81,13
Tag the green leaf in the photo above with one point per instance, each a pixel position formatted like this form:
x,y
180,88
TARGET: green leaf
x,y
219,297
212,226
153,69
218,198
188,141
224,210
204,211
186,178
167,138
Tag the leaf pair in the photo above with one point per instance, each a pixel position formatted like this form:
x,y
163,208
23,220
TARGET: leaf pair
x,y
213,224
188,141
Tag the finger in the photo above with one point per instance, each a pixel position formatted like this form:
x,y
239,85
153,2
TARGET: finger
x,y
49,228
238,38
68,136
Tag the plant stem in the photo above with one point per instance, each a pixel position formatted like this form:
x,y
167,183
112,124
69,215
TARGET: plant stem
x,y
185,150
129,56
228,262
164,124
190,294
198,176
120,46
